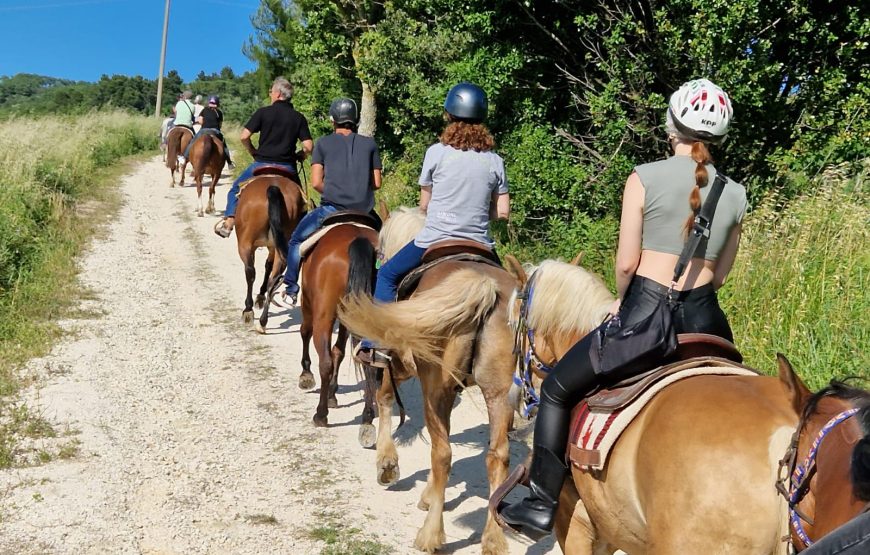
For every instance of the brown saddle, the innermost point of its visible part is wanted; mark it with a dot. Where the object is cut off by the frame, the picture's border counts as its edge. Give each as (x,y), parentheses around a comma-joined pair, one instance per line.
(353,217)
(276,170)
(444,251)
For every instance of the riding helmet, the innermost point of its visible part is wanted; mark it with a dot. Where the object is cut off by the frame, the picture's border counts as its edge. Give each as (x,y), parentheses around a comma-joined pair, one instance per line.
(700,110)
(343,110)
(466,101)
(214,99)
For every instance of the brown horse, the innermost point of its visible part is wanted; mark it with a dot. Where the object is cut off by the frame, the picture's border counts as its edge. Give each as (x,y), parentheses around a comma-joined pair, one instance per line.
(207,156)
(695,471)
(176,142)
(448,340)
(269,208)
(342,262)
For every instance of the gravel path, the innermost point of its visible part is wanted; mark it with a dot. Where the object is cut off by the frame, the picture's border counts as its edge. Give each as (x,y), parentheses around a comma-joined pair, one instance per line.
(194,437)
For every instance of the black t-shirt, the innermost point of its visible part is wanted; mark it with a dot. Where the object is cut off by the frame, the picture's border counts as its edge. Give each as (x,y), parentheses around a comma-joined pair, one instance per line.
(280,126)
(348,161)
(212,118)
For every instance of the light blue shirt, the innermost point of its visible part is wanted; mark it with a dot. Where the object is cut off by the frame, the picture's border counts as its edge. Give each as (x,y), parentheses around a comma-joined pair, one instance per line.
(463,182)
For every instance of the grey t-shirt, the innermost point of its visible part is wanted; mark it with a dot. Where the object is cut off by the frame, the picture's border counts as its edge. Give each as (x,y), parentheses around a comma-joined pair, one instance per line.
(667,185)
(348,162)
(462,182)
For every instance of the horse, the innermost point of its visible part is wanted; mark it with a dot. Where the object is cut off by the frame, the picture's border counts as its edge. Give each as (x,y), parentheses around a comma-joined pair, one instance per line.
(696,470)
(341,262)
(448,341)
(206,155)
(270,206)
(176,142)
(165,127)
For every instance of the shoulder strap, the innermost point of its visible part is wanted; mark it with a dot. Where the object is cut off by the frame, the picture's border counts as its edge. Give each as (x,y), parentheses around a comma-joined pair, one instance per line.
(701,227)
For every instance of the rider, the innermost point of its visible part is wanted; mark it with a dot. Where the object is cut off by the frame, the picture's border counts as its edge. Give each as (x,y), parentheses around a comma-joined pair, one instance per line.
(184,111)
(210,120)
(280,127)
(346,171)
(652,233)
(462,186)
(197,110)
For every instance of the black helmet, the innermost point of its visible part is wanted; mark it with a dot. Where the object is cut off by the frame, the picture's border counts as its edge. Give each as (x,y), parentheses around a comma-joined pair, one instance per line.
(343,110)
(466,101)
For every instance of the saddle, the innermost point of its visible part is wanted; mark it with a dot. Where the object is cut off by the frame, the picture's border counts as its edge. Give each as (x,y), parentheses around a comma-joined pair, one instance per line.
(444,251)
(276,170)
(353,217)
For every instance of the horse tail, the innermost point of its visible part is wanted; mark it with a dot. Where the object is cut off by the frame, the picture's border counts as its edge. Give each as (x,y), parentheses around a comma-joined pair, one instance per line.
(277,215)
(361,270)
(173,143)
(422,323)
(204,155)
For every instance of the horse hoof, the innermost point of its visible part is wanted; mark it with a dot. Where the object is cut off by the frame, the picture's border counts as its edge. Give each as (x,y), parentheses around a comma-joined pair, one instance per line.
(306,381)
(422,505)
(388,473)
(259,327)
(320,421)
(248,316)
(200,214)
(261,300)
(332,403)
(368,436)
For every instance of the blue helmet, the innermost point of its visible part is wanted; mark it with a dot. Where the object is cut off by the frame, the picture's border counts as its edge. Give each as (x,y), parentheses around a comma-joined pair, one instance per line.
(214,99)
(466,101)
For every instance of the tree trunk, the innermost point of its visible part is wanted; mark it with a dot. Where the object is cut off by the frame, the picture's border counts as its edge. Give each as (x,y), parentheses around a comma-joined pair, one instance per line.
(368,112)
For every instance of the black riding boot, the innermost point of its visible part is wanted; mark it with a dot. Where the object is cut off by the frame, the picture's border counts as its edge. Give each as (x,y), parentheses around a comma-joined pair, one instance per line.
(533,516)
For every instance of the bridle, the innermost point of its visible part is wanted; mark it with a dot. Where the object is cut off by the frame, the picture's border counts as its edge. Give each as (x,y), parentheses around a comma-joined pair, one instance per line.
(800,475)
(528,362)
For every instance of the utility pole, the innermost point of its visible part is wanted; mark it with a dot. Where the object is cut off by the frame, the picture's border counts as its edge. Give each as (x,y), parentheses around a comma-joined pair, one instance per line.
(162,60)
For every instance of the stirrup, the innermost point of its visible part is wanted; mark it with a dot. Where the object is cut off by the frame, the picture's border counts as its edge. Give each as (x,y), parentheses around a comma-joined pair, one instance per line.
(371,356)
(519,474)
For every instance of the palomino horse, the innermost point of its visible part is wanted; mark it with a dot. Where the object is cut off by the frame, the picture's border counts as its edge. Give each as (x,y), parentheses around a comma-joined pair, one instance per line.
(176,142)
(207,156)
(695,471)
(448,340)
(270,206)
(341,262)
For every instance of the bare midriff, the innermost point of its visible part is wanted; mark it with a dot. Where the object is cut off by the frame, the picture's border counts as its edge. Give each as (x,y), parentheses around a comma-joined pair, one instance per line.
(659,266)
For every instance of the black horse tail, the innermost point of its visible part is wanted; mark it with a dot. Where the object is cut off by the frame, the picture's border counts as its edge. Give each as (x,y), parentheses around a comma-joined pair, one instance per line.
(361,272)
(861,459)
(277,217)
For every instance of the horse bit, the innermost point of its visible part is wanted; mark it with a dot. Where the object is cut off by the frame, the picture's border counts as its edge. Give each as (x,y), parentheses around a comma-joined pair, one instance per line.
(799,476)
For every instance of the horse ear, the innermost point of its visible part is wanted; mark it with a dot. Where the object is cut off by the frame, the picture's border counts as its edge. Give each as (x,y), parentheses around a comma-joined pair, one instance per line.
(513,266)
(795,388)
(383,211)
(576,260)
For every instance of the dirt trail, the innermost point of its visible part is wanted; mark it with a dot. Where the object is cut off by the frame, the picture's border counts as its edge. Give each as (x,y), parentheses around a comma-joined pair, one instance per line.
(194,435)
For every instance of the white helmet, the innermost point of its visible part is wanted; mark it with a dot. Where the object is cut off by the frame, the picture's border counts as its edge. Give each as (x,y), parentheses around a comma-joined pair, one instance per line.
(701,111)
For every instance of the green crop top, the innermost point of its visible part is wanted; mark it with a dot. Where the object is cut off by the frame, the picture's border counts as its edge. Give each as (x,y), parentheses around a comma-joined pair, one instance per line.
(667,185)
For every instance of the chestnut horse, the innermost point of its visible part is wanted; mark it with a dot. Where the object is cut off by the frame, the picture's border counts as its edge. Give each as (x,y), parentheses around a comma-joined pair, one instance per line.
(342,261)
(270,206)
(695,472)
(448,341)
(207,156)
(176,142)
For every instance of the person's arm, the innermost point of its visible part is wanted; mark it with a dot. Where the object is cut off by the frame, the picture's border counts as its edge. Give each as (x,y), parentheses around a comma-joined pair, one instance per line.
(317,177)
(199,120)
(307,148)
(376,179)
(630,234)
(425,197)
(500,207)
(726,257)
(245,137)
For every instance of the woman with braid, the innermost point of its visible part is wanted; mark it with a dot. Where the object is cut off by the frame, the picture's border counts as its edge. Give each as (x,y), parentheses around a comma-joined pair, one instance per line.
(659,204)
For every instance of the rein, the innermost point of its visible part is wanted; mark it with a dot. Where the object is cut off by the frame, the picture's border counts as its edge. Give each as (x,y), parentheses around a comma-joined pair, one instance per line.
(527,360)
(799,475)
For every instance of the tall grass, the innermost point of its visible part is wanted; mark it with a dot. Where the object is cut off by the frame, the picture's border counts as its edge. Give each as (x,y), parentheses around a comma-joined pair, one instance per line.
(50,168)
(801,281)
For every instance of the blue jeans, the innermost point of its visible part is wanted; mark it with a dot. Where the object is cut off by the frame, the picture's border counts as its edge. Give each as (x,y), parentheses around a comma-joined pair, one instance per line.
(852,537)
(247,173)
(305,229)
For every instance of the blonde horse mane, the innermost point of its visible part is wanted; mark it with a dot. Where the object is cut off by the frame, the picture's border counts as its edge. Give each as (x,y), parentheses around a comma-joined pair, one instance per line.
(565,299)
(401,227)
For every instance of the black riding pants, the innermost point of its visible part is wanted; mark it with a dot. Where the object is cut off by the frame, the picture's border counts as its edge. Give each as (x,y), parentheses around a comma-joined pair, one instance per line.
(697,311)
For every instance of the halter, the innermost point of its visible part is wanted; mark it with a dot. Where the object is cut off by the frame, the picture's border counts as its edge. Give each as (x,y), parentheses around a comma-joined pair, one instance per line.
(527,359)
(800,475)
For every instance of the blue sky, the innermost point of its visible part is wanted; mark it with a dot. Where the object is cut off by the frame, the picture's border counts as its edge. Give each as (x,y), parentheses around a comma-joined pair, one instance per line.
(83,39)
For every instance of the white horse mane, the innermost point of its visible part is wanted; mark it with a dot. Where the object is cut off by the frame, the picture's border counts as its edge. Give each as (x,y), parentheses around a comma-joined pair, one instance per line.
(404,223)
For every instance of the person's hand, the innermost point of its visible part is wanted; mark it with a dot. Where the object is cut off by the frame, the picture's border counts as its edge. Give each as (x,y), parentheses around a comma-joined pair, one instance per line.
(614,306)
(301,156)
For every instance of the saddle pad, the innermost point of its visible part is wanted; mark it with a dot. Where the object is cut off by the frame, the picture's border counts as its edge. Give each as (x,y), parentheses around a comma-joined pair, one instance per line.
(309,243)
(593,432)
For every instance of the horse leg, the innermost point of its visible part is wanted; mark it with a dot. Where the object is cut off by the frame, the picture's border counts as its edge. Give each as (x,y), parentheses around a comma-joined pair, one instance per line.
(367,433)
(270,260)
(322,340)
(337,358)
(211,191)
(495,386)
(387,460)
(306,379)
(274,283)
(573,527)
(183,169)
(198,180)
(439,394)
(246,253)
